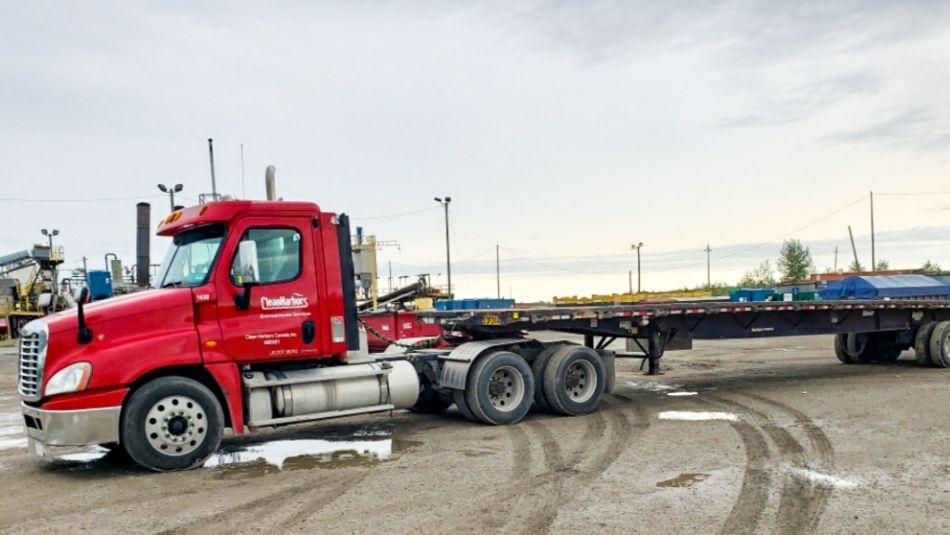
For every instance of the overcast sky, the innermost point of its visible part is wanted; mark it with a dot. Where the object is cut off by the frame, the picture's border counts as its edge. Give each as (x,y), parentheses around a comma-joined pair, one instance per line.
(564,131)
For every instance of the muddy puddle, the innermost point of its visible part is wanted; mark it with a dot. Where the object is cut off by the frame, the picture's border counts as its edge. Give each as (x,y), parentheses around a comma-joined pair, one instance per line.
(687,479)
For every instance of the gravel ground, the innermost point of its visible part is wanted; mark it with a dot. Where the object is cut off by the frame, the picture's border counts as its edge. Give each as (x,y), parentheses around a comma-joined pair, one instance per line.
(747,436)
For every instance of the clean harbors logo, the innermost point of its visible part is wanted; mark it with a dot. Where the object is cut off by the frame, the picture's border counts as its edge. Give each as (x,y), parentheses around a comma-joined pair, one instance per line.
(284,302)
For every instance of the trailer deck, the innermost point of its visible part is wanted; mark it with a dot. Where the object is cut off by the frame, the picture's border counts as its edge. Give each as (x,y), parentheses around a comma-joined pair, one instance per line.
(658,327)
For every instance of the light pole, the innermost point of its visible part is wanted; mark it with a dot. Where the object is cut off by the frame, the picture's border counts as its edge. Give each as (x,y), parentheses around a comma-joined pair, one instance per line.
(448,254)
(49,234)
(636,247)
(171,191)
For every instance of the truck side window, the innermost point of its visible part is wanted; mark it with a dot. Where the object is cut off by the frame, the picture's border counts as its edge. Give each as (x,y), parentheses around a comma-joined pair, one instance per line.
(278,254)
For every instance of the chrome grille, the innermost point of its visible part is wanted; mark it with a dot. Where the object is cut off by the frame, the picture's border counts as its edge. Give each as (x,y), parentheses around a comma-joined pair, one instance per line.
(32,353)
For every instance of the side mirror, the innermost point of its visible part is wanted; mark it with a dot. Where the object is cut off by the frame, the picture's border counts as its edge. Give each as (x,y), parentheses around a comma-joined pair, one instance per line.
(246,273)
(247,269)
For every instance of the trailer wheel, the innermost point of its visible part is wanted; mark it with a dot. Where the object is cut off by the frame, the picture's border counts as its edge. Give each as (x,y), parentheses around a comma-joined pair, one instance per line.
(538,365)
(500,388)
(574,380)
(841,348)
(922,343)
(856,347)
(940,345)
(171,423)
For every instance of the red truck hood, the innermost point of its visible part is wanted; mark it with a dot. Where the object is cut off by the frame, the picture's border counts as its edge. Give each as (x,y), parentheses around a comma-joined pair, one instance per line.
(125,307)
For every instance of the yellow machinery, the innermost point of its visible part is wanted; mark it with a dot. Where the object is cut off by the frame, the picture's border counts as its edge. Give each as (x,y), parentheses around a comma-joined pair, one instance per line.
(629,298)
(28,287)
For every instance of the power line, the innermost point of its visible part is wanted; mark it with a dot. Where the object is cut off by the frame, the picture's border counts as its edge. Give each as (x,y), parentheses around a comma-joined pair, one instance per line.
(402,214)
(98,199)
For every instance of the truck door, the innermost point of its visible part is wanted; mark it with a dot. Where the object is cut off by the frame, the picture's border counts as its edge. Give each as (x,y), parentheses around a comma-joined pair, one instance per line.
(279,321)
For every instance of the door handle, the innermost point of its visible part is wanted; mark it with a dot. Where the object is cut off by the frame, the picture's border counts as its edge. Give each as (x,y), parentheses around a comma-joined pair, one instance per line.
(309,331)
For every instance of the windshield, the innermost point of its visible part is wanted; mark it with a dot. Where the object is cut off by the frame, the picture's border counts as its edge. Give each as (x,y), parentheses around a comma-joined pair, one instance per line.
(190,256)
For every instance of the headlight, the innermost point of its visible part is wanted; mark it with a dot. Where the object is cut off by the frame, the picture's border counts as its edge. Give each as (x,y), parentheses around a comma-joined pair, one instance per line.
(72,378)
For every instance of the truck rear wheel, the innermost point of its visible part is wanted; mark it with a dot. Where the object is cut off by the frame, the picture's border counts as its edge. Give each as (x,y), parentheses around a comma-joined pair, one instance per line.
(500,388)
(940,345)
(537,369)
(922,343)
(171,423)
(574,380)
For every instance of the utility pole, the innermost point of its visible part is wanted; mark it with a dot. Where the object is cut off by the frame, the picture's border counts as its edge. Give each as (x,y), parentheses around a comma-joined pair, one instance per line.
(171,191)
(836,259)
(390,262)
(708,268)
(214,186)
(873,258)
(854,249)
(448,254)
(497,271)
(636,247)
(629,281)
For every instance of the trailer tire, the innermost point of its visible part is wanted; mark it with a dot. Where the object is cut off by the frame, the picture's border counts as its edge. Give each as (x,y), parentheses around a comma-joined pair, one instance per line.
(856,347)
(841,349)
(567,380)
(538,365)
(500,388)
(187,412)
(922,343)
(940,345)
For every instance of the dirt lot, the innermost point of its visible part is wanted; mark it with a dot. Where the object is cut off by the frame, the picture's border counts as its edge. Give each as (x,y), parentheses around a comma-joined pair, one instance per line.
(798,443)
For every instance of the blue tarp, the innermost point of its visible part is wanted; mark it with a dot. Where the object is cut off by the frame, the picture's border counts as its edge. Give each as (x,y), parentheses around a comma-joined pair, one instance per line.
(881,287)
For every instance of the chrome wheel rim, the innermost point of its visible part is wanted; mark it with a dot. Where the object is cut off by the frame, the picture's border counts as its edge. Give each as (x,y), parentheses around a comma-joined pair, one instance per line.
(580,381)
(506,389)
(176,425)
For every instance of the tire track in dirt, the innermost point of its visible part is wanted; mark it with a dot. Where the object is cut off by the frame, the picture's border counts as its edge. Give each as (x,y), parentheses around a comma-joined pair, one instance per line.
(267,506)
(801,503)
(815,497)
(753,498)
(541,496)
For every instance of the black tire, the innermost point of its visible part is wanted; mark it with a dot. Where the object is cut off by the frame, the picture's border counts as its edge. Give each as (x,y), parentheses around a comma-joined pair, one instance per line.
(431,402)
(459,397)
(922,343)
(858,348)
(940,345)
(537,369)
(500,388)
(192,416)
(841,349)
(567,385)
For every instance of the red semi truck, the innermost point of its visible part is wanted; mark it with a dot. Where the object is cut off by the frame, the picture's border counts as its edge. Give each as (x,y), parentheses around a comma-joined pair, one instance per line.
(253,323)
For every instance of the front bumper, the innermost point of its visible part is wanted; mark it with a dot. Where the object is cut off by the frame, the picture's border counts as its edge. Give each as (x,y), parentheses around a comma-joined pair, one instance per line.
(69,428)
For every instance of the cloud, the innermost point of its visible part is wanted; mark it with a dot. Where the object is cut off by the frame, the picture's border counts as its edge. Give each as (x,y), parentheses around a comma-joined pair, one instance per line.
(921,127)
(797,103)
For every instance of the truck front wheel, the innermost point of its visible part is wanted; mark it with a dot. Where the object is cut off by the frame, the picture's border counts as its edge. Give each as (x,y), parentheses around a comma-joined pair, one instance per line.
(171,423)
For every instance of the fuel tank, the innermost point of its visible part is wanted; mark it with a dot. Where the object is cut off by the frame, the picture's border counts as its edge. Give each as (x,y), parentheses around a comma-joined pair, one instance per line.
(278,394)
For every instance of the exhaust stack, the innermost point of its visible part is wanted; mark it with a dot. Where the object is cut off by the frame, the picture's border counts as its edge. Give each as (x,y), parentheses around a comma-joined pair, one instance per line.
(143,213)
(270,181)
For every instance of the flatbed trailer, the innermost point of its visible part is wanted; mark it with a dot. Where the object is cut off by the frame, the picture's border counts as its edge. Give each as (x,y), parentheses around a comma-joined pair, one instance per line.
(868,329)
